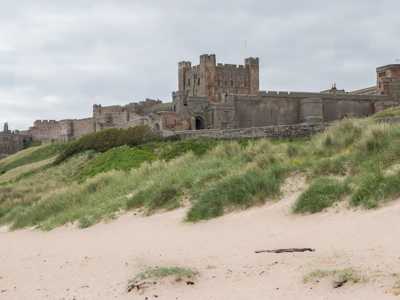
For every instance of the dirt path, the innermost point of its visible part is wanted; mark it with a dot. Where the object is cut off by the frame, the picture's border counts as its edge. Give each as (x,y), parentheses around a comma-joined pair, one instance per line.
(97,263)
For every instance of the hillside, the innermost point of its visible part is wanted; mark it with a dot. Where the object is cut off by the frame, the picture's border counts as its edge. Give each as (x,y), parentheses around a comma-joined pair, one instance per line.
(102,175)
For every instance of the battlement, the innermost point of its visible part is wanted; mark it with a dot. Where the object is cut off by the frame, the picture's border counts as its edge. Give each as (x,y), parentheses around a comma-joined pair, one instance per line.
(252,61)
(212,80)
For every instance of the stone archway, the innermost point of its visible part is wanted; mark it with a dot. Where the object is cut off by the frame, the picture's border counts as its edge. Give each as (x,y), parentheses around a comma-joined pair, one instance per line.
(199,123)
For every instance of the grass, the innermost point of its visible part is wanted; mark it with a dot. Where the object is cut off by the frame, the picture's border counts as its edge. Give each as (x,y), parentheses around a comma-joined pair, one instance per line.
(29,156)
(348,275)
(96,179)
(121,158)
(107,139)
(388,113)
(237,191)
(322,193)
(152,273)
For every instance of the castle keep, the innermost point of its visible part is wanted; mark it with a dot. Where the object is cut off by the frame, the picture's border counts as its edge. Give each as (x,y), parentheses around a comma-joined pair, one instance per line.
(221,97)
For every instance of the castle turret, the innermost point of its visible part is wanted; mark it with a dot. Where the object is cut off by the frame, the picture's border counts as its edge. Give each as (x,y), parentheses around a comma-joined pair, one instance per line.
(207,79)
(253,66)
(5,129)
(183,69)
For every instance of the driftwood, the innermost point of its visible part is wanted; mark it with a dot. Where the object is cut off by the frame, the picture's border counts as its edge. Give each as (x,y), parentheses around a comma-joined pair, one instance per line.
(290,250)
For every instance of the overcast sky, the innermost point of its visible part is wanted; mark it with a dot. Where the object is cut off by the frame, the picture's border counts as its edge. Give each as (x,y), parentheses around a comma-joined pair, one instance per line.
(58,58)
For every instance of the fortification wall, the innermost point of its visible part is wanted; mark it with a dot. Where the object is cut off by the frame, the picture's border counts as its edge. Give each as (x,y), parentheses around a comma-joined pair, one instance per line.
(46,130)
(280,131)
(82,127)
(277,108)
(11,143)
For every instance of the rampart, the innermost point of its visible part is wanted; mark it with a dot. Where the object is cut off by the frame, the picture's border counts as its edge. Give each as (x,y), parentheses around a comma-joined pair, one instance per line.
(279,131)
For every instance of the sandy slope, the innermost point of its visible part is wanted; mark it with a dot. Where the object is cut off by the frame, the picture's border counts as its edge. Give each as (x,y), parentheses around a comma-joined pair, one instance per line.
(96,263)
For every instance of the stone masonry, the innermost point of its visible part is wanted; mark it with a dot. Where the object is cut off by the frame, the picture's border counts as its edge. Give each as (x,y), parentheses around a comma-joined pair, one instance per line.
(12,141)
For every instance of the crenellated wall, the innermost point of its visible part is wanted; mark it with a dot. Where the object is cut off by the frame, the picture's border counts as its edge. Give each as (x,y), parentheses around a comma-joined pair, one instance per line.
(212,80)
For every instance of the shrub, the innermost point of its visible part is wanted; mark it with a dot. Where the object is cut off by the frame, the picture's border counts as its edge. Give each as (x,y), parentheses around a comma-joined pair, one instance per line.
(321,194)
(107,139)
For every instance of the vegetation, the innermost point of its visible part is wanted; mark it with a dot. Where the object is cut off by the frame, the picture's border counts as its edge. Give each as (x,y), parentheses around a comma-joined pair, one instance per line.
(29,156)
(121,158)
(322,193)
(162,272)
(348,275)
(391,112)
(104,174)
(107,139)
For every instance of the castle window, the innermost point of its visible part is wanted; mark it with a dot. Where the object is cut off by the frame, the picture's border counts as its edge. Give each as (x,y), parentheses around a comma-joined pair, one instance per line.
(188,82)
(232,83)
(198,81)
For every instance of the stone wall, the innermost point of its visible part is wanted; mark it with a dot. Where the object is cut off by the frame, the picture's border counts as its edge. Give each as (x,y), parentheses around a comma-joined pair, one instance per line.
(277,108)
(12,142)
(277,131)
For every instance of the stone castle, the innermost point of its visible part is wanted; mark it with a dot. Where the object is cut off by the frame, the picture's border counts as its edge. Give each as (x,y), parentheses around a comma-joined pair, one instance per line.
(223,96)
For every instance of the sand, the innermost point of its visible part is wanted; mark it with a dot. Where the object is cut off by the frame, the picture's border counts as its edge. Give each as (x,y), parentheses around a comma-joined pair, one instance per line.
(97,263)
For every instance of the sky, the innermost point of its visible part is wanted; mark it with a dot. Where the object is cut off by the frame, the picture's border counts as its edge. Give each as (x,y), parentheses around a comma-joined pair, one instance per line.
(58,58)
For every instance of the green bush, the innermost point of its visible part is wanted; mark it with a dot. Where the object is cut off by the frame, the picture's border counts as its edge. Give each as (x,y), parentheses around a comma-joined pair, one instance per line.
(121,158)
(107,139)
(321,194)
(242,190)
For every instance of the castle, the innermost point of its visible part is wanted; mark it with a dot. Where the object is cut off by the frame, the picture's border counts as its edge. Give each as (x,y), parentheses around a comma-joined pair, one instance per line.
(224,96)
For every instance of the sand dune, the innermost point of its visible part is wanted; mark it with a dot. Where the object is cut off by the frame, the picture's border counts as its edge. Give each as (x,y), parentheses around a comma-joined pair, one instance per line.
(96,263)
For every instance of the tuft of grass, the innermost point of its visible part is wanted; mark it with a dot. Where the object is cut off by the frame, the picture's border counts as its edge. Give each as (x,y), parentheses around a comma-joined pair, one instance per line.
(322,193)
(178,273)
(338,137)
(373,188)
(329,166)
(237,191)
(348,275)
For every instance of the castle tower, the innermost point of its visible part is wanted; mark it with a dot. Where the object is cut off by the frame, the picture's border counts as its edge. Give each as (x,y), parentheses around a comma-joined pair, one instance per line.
(184,68)
(5,129)
(207,76)
(253,66)
(388,80)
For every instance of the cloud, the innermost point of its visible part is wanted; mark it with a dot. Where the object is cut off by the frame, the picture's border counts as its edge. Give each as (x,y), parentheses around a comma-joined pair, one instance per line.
(58,58)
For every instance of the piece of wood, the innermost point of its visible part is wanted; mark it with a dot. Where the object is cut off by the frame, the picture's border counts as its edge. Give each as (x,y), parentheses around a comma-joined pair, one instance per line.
(289,250)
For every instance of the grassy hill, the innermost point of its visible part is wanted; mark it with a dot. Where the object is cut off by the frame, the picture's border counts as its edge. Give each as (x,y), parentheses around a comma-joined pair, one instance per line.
(103,174)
